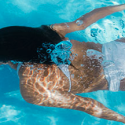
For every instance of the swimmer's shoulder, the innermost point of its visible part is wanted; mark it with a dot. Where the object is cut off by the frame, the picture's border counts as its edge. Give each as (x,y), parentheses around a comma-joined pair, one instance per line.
(85,45)
(78,46)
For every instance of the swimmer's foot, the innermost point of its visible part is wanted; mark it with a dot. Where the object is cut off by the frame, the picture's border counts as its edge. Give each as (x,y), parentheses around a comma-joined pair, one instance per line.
(111,115)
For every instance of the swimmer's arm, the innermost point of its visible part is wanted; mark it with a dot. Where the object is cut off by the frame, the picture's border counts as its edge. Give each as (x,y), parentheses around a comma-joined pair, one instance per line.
(88,19)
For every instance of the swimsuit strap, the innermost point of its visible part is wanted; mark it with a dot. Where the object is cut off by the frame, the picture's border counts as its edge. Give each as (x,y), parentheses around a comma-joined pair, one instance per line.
(65,70)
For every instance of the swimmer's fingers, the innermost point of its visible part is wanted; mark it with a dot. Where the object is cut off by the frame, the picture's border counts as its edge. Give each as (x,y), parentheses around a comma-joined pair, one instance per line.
(44,97)
(88,19)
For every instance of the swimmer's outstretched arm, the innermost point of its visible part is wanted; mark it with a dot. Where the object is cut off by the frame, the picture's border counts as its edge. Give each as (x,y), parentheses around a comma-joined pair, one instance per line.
(40,95)
(87,19)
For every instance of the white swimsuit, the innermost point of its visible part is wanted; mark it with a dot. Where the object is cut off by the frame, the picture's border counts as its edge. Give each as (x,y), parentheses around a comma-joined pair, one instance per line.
(113,63)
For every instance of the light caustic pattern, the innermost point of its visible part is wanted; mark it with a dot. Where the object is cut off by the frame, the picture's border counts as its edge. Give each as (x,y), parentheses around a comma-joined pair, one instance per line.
(16,12)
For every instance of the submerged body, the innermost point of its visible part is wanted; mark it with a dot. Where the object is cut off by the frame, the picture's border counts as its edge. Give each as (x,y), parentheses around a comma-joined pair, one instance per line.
(47,85)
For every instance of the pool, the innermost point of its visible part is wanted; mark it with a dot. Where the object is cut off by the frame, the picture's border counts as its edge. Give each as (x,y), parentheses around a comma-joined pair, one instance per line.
(13,109)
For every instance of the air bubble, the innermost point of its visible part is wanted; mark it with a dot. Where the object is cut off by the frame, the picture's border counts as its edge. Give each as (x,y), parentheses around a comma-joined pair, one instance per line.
(79,22)
(61,53)
(94,32)
(116,29)
(82,65)
(67,25)
(122,23)
(72,75)
(48,50)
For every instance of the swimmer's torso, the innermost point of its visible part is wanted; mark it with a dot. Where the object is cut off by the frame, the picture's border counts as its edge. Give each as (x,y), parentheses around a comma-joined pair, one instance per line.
(89,71)
(86,74)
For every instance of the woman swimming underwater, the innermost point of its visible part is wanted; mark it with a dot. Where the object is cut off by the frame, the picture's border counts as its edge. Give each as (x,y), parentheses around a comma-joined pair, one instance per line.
(47,79)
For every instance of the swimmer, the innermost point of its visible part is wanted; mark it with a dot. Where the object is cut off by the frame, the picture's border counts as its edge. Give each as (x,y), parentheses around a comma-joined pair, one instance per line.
(45,76)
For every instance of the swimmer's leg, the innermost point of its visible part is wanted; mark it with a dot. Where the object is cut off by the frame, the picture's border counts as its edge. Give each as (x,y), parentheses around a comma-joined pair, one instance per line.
(36,94)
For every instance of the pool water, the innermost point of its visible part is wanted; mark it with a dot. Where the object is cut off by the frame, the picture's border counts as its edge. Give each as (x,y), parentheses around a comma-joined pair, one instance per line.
(13,109)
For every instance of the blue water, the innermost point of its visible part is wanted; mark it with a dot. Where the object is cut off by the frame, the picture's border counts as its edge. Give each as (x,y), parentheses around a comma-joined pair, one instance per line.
(13,109)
